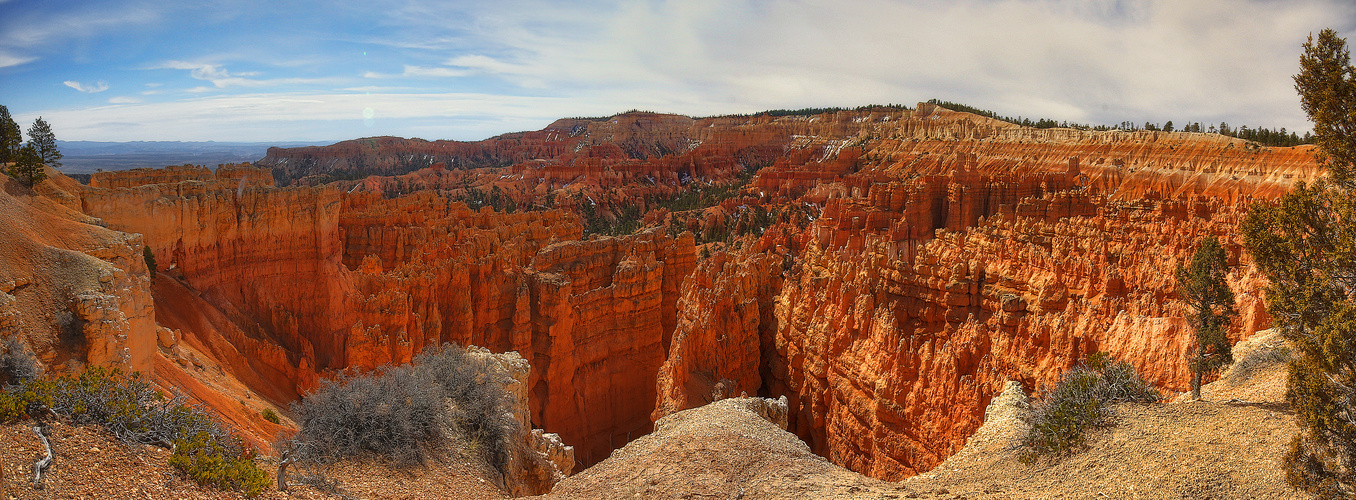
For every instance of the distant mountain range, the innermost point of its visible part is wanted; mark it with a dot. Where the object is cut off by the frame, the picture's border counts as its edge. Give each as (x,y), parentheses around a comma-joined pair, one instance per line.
(84,157)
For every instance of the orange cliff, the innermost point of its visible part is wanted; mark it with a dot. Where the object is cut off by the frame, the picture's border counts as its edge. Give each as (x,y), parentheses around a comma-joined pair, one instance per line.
(280,286)
(956,253)
(74,291)
(919,259)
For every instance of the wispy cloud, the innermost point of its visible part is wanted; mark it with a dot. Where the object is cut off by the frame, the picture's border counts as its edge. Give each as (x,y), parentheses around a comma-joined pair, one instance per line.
(427,66)
(1101,61)
(124,100)
(221,78)
(7,60)
(263,117)
(411,70)
(94,88)
(23,35)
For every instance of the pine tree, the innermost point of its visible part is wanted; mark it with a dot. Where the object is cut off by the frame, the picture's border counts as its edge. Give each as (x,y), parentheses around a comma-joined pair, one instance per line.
(27,167)
(1306,246)
(1201,283)
(42,139)
(9,137)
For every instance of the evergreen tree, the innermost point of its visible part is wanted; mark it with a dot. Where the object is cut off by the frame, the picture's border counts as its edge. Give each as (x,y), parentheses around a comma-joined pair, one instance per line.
(1201,283)
(27,167)
(9,137)
(42,139)
(1306,246)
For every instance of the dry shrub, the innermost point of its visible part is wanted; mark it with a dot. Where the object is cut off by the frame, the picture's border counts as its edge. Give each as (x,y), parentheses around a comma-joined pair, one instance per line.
(408,414)
(1080,400)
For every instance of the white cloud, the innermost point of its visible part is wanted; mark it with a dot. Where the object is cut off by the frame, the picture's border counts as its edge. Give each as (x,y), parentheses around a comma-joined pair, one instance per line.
(280,117)
(124,100)
(1099,61)
(24,33)
(420,71)
(7,60)
(221,78)
(491,65)
(444,72)
(96,87)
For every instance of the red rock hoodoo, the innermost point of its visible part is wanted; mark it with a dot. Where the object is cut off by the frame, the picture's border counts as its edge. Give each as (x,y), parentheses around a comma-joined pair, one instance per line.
(886,269)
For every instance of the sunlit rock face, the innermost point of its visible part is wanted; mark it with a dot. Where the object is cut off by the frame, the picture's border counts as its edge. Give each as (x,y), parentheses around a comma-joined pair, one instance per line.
(917,260)
(957,253)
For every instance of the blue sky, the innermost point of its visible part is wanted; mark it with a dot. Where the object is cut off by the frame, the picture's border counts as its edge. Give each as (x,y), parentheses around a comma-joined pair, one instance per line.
(226,70)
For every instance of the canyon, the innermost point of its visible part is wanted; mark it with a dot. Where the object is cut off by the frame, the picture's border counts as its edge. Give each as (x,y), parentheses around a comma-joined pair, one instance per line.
(887,270)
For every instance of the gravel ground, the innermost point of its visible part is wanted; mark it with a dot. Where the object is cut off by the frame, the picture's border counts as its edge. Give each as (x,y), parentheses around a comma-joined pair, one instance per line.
(89,463)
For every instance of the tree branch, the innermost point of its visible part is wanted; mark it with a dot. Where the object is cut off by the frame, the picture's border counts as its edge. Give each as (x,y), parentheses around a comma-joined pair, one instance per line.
(41,465)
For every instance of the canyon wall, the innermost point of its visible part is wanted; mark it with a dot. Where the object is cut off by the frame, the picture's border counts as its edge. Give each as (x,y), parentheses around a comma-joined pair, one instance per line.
(962,252)
(73,291)
(886,269)
(281,286)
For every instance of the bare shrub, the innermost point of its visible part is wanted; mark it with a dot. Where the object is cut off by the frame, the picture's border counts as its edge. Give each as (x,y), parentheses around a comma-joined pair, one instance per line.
(408,414)
(17,363)
(1118,382)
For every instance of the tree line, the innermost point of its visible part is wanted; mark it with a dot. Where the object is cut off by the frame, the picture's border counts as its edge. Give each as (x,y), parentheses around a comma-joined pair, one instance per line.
(25,160)
(1261,135)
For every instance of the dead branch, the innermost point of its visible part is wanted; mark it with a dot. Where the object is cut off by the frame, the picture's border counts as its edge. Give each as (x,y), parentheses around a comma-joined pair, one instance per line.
(41,465)
(4,488)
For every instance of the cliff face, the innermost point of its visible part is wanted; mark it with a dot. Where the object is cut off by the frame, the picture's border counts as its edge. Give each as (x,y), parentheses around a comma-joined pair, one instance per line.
(962,252)
(283,285)
(886,270)
(75,292)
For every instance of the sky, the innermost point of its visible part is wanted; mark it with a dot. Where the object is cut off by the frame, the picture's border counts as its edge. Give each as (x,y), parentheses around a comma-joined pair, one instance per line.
(289,70)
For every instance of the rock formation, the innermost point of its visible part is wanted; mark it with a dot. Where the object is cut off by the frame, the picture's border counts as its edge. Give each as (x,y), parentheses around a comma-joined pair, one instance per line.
(965,252)
(284,285)
(74,291)
(887,270)
(733,448)
(538,460)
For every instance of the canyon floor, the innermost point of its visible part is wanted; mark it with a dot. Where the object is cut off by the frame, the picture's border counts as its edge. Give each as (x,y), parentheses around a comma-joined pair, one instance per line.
(1227,445)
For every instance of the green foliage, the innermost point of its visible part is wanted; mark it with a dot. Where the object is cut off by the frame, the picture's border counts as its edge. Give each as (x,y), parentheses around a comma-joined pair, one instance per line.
(203,458)
(149,256)
(24,400)
(1263,136)
(495,198)
(133,412)
(1306,246)
(271,416)
(1025,122)
(818,111)
(43,141)
(1202,285)
(1327,85)
(19,371)
(1080,400)
(626,219)
(27,166)
(10,137)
